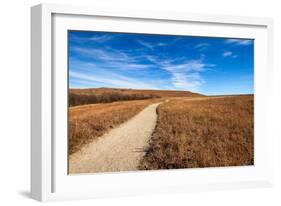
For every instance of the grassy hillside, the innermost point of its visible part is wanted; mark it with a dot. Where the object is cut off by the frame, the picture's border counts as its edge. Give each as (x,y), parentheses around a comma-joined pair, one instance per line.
(159,93)
(107,95)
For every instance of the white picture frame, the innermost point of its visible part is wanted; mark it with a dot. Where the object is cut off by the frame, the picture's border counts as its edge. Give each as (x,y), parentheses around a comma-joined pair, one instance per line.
(49,179)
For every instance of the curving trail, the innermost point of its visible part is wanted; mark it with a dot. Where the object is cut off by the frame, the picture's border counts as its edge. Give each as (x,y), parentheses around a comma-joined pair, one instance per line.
(120,149)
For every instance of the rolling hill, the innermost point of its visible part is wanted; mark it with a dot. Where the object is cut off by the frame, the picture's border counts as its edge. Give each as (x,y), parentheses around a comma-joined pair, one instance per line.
(158,93)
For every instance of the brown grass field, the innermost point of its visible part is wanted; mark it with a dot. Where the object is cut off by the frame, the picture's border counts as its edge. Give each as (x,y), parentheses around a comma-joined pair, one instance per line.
(204,132)
(108,95)
(88,122)
(192,131)
(161,93)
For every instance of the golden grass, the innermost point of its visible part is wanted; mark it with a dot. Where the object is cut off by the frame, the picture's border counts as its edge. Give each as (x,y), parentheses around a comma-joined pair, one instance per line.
(145,92)
(88,122)
(207,132)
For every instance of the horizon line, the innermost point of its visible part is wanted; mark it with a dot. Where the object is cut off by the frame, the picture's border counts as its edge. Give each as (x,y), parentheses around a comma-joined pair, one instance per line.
(230,94)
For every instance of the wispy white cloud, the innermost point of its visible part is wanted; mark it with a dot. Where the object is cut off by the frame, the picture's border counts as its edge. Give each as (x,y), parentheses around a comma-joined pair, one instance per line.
(151,58)
(162,44)
(185,75)
(96,53)
(190,81)
(229,54)
(202,46)
(152,46)
(188,66)
(110,79)
(146,44)
(101,38)
(243,42)
(114,59)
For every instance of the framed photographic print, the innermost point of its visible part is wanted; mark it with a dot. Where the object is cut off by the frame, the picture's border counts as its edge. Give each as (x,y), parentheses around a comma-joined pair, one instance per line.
(135,102)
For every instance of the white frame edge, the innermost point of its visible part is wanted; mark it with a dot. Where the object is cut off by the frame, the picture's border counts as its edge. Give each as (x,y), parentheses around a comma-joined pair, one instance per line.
(41,78)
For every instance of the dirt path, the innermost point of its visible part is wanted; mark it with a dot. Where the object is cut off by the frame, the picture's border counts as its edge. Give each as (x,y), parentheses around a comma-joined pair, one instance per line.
(120,149)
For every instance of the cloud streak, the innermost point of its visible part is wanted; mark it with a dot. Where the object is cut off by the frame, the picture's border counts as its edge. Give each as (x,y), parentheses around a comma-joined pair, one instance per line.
(187,75)
(229,54)
(184,74)
(105,77)
(239,42)
(113,59)
(101,39)
(202,46)
(146,44)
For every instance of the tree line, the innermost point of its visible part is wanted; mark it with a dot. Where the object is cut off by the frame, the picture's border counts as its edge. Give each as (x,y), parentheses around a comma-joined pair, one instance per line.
(80,99)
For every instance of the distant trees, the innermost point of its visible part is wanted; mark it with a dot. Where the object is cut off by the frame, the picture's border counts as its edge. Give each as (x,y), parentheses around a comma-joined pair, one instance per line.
(80,99)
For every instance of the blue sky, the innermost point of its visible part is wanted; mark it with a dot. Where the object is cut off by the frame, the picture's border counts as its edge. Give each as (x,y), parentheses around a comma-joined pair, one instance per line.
(143,61)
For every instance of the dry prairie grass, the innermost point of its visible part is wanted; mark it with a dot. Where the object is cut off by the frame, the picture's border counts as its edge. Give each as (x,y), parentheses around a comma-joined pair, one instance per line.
(145,92)
(207,132)
(91,121)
